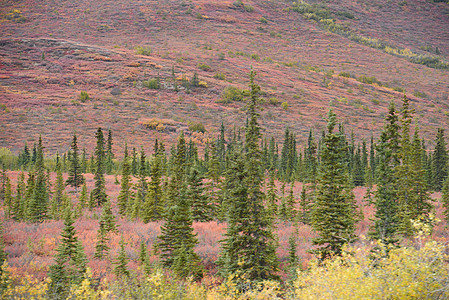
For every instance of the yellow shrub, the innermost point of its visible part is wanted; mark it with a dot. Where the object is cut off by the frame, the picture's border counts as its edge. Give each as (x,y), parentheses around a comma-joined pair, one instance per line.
(405,273)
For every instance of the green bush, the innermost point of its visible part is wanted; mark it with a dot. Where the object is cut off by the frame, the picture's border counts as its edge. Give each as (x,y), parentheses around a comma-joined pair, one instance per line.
(143,50)
(197,127)
(230,94)
(204,67)
(248,8)
(153,84)
(263,20)
(399,89)
(220,76)
(284,105)
(84,96)
(273,101)
(369,80)
(346,74)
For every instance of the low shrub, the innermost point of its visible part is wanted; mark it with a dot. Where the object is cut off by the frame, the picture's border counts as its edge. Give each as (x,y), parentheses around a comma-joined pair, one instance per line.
(197,127)
(143,50)
(204,67)
(84,96)
(231,94)
(153,84)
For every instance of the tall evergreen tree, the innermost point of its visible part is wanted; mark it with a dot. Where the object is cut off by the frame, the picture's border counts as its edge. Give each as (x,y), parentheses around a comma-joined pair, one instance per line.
(333,214)
(75,178)
(202,210)
(107,224)
(177,237)
(125,195)
(19,208)
(57,199)
(439,161)
(406,195)
(121,264)
(154,204)
(39,201)
(108,153)
(70,261)
(99,192)
(310,159)
(249,244)
(272,198)
(386,218)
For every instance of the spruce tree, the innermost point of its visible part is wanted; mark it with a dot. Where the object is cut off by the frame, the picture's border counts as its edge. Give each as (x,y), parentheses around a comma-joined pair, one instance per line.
(125,195)
(82,200)
(386,217)
(121,264)
(333,214)
(154,204)
(202,210)
(39,201)
(305,206)
(57,198)
(19,207)
(107,224)
(75,178)
(177,239)
(27,201)
(291,205)
(108,153)
(358,171)
(293,261)
(249,244)
(439,161)
(99,192)
(445,199)
(142,187)
(310,159)
(421,202)
(70,261)
(272,198)
(404,172)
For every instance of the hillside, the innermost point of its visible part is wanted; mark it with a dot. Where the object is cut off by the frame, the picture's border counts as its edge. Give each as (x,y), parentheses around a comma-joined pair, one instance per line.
(51,51)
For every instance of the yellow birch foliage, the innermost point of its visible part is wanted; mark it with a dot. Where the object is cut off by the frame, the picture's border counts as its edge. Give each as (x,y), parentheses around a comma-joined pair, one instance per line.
(405,273)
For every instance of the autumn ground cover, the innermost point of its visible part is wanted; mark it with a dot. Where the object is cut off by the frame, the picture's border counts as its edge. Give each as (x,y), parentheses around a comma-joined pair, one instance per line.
(64,48)
(31,247)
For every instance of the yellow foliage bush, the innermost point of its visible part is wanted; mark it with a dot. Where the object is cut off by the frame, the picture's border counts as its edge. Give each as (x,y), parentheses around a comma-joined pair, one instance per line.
(405,273)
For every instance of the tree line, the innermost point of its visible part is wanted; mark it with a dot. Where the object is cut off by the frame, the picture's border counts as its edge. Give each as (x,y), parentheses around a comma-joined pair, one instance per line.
(235,182)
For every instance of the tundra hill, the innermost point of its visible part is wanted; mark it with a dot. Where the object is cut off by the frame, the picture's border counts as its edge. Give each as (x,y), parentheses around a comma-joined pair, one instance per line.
(353,56)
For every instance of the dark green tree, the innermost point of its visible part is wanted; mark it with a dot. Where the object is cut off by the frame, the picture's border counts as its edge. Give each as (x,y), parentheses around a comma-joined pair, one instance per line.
(177,239)
(107,224)
(39,201)
(154,204)
(249,245)
(334,210)
(70,261)
(201,208)
(108,153)
(125,194)
(58,195)
(121,264)
(386,217)
(76,178)
(439,161)
(19,208)
(99,192)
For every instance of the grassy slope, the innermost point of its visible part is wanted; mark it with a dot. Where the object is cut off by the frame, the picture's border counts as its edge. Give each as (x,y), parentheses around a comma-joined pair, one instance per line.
(91,48)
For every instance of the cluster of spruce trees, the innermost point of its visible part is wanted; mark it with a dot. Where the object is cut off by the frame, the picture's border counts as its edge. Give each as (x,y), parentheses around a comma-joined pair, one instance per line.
(234,182)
